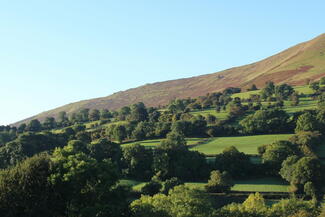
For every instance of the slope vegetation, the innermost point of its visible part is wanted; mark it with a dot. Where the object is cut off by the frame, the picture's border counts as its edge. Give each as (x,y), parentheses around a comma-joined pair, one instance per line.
(293,66)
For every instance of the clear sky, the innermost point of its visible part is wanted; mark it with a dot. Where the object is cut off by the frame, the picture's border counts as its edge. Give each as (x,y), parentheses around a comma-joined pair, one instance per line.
(57,52)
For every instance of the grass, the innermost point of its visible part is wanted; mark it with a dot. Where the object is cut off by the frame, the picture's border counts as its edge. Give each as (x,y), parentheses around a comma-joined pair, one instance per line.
(135,185)
(246,144)
(261,185)
(155,142)
(300,89)
(222,115)
(246,95)
(304,104)
(254,185)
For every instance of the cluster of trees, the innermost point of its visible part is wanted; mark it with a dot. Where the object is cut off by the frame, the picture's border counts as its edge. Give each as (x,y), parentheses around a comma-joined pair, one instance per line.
(296,160)
(185,202)
(280,92)
(63,120)
(267,121)
(67,183)
(76,172)
(170,159)
(7,134)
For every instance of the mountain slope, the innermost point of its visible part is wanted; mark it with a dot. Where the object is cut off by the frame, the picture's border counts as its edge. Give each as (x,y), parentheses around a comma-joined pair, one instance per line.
(292,66)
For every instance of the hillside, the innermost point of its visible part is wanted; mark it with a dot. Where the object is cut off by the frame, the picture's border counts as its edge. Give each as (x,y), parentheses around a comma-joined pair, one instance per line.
(292,66)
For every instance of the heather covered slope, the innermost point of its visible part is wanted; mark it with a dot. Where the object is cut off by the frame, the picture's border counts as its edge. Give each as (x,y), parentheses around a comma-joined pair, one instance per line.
(292,66)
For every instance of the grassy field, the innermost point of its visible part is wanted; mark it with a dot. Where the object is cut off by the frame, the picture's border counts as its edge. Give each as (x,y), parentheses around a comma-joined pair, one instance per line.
(155,142)
(135,185)
(300,89)
(255,185)
(222,115)
(246,95)
(246,144)
(261,185)
(304,104)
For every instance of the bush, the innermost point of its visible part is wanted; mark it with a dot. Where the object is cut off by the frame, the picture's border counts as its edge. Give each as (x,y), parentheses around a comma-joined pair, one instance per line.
(151,188)
(219,182)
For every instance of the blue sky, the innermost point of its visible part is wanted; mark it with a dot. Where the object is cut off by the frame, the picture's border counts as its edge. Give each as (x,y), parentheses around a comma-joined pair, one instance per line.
(57,52)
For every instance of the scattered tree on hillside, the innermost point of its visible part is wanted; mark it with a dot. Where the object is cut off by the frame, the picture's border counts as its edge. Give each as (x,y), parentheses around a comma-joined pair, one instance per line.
(219,182)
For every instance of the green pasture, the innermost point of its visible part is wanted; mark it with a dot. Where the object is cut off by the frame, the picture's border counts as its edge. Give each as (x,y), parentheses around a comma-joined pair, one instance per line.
(254,185)
(300,89)
(246,95)
(222,115)
(155,142)
(261,185)
(304,104)
(246,144)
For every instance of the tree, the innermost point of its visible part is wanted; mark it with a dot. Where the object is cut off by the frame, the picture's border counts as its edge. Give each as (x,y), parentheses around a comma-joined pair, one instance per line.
(151,188)
(294,99)
(277,152)
(314,86)
(219,182)
(105,114)
(137,161)
(119,133)
(252,88)
(283,91)
(211,119)
(294,207)
(301,171)
(173,159)
(170,184)
(123,113)
(176,106)
(83,115)
(62,118)
(27,145)
(34,126)
(236,163)
(138,112)
(87,187)
(321,101)
(94,115)
(310,190)
(255,203)
(306,122)
(49,123)
(322,81)
(174,140)
(180,202)
(105,149)
(235,108)
(268,90)
(266,121)
(306,141)
(144,130)
(25,190)
(22,128)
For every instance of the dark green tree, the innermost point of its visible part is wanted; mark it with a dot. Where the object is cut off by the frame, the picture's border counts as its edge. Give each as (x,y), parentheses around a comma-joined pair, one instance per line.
(34,126)
(138,112)
(94,115)
(25,190)
(307,122)
(119,133)
(137,161)
(49,123)
(219,182)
